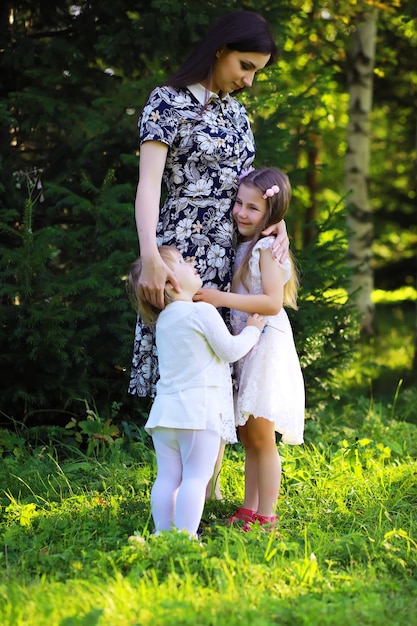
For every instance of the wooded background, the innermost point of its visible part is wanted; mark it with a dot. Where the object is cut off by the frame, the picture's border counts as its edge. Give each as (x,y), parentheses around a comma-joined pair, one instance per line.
(337,112)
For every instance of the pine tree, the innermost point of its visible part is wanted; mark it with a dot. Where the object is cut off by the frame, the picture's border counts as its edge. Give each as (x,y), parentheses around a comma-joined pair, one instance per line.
(66,320)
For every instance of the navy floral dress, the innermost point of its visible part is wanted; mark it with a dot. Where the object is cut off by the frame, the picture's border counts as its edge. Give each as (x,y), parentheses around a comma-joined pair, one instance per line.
(208,146)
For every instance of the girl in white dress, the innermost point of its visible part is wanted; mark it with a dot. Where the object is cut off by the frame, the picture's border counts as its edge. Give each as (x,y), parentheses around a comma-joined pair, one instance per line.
(193,408)
(270,388)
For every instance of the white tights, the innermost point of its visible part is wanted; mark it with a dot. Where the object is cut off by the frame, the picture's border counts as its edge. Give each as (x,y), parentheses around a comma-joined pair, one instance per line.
(185,460)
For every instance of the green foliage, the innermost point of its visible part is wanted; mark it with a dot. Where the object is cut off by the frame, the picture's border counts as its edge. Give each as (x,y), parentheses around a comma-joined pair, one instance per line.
(346,551)
(382,367)
(99,434)
(393,172)
(66,320)
(325,326)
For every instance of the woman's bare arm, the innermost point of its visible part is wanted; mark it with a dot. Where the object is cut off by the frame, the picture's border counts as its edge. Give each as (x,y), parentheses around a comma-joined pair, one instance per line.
(281,244)
(155,272)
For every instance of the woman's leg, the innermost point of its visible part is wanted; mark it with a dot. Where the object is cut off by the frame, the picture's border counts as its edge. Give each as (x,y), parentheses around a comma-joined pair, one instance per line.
(263,465)
(199,449)
(168,478)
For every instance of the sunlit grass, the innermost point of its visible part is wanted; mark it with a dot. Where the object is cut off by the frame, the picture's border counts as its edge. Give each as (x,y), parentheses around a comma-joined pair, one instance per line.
(403,294)
(380,363)
(346,552)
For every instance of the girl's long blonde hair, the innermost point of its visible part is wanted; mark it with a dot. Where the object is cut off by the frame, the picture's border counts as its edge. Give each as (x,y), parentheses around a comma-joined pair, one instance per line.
(277,205)
(147,311)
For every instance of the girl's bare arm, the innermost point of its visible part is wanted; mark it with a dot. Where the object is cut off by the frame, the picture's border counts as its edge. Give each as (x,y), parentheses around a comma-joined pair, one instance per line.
(268,303)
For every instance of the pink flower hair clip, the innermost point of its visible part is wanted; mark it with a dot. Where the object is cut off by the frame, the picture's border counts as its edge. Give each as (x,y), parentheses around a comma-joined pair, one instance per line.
(244,173)
(271,192)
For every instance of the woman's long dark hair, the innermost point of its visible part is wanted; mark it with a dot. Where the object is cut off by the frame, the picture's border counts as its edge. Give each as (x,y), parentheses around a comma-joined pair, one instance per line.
(244,31)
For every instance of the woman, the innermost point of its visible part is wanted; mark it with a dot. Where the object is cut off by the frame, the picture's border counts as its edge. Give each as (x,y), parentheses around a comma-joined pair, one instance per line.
(197,139)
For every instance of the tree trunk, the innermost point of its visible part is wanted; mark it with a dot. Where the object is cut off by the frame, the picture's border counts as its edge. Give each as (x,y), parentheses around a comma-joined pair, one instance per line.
(360,223)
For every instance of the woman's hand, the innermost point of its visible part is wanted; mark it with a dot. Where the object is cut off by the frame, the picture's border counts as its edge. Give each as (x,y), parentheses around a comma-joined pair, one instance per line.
(281,245)
(212,296)
(153,278)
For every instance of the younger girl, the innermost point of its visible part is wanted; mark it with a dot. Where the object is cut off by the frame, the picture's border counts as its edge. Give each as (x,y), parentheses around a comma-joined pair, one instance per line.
(193,407)
(270,394)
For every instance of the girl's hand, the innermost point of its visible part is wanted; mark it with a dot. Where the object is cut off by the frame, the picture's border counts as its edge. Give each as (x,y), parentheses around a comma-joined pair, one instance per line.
(281,244)
(153,278)
(256,320)
(212,296)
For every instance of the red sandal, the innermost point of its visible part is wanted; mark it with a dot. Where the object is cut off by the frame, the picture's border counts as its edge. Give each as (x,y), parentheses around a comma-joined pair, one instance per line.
(268,523)
(242,515)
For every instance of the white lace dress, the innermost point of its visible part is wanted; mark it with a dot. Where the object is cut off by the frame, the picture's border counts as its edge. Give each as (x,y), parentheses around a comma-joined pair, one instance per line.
(269,379)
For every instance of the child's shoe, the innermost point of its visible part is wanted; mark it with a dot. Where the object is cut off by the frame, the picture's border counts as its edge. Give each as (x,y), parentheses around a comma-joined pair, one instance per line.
(241,515)
(268,523)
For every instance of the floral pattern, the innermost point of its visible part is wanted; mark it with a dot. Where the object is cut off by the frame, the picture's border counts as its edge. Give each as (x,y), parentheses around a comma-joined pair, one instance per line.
(208,146)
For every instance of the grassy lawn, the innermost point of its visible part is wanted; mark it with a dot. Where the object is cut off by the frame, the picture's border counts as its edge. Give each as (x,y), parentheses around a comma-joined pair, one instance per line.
(346,552)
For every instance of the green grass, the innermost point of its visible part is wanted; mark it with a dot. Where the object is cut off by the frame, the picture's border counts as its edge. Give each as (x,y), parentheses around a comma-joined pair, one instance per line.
(346,552)
(382,369)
